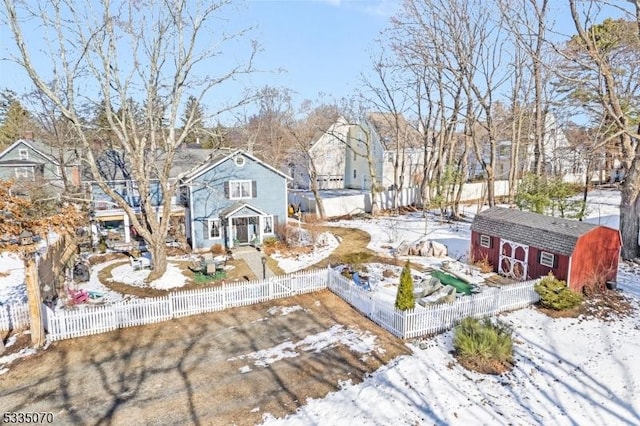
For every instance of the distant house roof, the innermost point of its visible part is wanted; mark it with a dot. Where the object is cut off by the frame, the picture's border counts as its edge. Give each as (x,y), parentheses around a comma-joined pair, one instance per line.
(548,233)
(47,151)
(385,126)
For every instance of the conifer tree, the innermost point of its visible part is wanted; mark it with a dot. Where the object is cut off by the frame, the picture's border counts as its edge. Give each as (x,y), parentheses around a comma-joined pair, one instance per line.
(404,298)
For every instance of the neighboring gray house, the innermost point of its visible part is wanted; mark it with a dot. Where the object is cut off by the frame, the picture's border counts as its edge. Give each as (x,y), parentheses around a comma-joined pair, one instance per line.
(27,161)
(233,199)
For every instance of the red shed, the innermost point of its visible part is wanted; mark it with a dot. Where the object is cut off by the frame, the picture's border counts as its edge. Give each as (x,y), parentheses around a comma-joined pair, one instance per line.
(528,245)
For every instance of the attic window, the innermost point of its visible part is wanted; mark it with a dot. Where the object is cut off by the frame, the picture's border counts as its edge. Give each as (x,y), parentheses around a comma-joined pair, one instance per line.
(547,259)
(239,160)
(485,241)
(23,154)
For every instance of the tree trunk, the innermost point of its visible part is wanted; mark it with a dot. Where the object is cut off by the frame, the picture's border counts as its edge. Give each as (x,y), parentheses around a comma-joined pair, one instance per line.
(159,253)
(34,300)
(491,190)
(629,213)
(318,198)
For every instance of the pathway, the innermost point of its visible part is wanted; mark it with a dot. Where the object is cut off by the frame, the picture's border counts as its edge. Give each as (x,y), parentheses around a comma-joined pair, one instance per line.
(252,257)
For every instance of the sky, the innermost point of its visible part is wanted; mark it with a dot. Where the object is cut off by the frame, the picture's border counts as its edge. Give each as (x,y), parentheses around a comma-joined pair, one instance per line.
(310,47)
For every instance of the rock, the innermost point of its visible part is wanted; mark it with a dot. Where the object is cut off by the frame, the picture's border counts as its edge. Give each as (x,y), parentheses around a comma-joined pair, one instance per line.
(403,249)
(437,249)
(430,286)
(447,294)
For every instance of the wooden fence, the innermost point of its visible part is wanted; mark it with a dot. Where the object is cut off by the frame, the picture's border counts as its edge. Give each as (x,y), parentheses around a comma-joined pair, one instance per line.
(85,320)
(14,317)
(432,319)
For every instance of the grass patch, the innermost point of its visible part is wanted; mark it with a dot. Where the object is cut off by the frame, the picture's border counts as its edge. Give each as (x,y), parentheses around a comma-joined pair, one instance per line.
(484,346)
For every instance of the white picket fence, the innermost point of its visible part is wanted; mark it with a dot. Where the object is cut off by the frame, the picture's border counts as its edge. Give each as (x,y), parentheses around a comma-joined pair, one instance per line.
(14,317)
(85,320)
(433,319)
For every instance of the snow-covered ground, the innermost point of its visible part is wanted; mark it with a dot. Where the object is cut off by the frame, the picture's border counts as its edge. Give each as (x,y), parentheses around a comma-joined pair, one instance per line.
(568,371)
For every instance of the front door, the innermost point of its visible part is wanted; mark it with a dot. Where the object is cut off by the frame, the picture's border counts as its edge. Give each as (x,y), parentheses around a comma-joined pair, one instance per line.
(241,226)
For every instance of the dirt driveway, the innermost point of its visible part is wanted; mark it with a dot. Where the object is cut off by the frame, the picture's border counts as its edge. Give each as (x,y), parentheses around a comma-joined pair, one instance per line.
(213,369)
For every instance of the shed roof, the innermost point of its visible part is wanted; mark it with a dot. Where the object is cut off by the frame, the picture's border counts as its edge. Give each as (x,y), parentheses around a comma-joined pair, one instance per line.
(553,234)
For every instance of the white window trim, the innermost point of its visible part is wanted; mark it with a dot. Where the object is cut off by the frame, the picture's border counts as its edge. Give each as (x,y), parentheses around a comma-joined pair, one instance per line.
(485,241)
(22,172)
(239,161)
(23,154)
(240,182)
(210,223)
(264,221)
(547,259)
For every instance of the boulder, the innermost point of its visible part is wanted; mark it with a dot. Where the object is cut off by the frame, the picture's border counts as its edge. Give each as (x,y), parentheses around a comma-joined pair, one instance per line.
(403,249)
(430,285)
(437,249)
(446,294)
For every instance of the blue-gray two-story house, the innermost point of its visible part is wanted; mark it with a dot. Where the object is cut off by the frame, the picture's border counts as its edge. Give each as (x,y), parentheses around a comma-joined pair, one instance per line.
(233,199)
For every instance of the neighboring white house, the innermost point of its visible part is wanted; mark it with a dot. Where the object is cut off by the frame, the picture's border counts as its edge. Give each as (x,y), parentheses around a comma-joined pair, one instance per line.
(560,158)
(341,155)
(329,155)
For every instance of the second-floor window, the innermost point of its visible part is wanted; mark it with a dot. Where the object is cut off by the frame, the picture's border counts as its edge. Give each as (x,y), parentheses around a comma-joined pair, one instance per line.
(23,154)
(239,189)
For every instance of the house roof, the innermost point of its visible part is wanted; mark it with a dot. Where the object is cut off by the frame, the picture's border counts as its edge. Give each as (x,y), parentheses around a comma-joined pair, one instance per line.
(236,207)
(217,157)
(385,126)
(45,150)
(548,233)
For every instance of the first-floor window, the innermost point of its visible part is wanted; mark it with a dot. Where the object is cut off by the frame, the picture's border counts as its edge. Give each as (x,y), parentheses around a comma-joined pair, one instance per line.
(546,259)
(22,172)
(214,228)
(268,225)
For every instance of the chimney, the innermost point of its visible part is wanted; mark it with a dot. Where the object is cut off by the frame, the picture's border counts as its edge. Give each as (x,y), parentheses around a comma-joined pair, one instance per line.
(28,135)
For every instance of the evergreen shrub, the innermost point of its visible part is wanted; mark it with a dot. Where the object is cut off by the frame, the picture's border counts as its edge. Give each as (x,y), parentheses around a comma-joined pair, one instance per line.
(554,294)
(404,297)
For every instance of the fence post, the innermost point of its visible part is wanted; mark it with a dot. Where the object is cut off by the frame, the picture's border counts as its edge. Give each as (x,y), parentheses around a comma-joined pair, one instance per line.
(224,295)
(171,305)
(329,277)
(270,284)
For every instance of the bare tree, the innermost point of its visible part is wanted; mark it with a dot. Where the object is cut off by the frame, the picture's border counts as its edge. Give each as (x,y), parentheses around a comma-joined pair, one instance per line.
(316,120)
(421,38)
(269,126)
(599,60)
(389,96)
(155,53)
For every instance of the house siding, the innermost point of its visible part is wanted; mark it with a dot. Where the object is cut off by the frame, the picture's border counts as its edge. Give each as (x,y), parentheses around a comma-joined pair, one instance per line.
(209,198)
(560,270)
(50,171)
(596,257)
(479,253)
